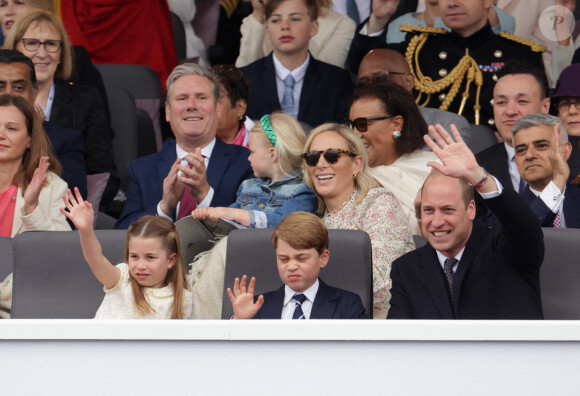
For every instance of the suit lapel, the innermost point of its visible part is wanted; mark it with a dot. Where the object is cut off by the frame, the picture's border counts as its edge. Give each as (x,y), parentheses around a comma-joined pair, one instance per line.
(309,86)
(218,164)
(324,303)
(272,308)
(477,234)
(270,90)
(572,206)
(433,280)
(65,97)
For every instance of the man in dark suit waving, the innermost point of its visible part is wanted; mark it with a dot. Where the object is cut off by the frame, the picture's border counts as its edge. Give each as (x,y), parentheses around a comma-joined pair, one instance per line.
(195,169)
(468,271)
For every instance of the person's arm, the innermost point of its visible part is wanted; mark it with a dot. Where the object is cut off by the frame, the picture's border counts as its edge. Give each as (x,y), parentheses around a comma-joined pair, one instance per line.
(243,300)
(81,213)
(384,220)
(240,215)
(46,215)
(334,49)
(252,42)
(400,306)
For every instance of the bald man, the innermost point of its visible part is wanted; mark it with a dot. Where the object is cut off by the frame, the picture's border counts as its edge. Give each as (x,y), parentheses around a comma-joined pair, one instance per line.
(393,64)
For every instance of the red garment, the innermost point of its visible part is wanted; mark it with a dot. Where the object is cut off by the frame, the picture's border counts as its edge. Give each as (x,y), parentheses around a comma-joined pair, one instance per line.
(187,204)
(123,32)
(7,208)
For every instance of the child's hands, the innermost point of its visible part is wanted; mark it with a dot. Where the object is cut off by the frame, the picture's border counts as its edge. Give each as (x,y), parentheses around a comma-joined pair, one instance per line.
(80,212)
(243,301)
(213,213)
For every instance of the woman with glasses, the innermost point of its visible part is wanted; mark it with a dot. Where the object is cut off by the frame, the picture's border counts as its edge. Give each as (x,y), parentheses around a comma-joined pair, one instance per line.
(335,168)
(566,101)
(41,37)
(391,127)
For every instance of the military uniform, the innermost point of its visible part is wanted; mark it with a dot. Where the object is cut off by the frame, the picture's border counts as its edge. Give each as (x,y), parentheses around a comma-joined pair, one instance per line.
(450,69)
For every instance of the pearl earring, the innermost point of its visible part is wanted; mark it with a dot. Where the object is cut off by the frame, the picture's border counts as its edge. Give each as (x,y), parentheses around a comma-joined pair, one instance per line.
(397,134)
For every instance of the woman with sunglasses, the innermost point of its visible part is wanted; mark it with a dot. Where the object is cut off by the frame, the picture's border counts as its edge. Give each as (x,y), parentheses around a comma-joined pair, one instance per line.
(391,127)
(41,37)
(335,168)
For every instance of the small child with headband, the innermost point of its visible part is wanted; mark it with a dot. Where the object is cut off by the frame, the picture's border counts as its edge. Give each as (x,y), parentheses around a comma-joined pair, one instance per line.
(275,144)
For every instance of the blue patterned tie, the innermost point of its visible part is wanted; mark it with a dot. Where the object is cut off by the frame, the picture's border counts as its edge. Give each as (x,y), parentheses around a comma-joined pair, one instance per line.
(448,269)
(299,299)
(288,98)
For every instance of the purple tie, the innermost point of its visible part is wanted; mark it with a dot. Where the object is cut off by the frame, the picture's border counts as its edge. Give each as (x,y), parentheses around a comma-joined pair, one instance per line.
(448,269)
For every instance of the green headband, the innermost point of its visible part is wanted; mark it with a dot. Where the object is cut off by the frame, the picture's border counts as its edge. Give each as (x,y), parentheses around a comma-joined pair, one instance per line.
(268,130)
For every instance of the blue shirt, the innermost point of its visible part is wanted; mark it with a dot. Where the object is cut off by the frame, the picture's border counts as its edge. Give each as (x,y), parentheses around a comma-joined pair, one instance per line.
(268,203)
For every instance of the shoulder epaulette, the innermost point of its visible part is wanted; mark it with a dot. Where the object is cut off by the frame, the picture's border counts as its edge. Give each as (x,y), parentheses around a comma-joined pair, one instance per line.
(520,40)
(422,29)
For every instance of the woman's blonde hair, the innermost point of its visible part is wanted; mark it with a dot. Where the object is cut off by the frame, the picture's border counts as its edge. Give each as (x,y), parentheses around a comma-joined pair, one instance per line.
(165,231)
(17,32)
(290,139)
(363,181)
(40,145)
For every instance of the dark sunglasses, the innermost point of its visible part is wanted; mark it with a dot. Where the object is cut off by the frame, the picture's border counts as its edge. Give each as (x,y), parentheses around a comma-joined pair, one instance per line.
(361,123)
(331,156)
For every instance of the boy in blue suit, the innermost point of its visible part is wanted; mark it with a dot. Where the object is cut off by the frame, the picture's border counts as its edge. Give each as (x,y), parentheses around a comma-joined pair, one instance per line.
(289,78)
(300,255)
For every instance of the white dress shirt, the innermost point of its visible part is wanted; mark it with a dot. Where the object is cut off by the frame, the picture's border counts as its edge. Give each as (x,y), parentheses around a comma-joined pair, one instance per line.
(298,74)
(290,303)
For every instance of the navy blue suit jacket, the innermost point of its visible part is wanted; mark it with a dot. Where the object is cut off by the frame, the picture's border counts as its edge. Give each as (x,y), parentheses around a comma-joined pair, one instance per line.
(325,95)
(497,277)
(228,168)
(69,147)
(329,303)
(546,216)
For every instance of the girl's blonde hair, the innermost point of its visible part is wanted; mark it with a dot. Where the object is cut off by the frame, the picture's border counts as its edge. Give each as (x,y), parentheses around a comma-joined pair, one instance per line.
(16,34)
(159,227)
(40,145)
(363,181)
(290,139)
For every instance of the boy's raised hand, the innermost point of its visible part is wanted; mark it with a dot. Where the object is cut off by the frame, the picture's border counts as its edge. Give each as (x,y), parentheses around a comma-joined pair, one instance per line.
(243,300)
(79,211)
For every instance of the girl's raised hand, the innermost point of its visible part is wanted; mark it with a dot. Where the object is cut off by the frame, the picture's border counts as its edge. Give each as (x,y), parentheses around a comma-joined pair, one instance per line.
(243,300)
(79,211)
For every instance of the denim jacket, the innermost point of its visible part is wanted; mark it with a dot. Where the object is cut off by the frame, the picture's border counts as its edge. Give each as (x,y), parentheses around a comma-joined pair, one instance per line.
(268,203)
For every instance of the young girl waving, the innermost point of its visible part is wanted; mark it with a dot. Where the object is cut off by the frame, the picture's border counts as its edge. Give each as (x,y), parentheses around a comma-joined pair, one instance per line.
(151,283)
(275,144)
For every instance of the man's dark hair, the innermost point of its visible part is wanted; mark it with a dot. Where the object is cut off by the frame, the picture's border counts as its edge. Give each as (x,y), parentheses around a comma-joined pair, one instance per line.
(522,67)
(9,56)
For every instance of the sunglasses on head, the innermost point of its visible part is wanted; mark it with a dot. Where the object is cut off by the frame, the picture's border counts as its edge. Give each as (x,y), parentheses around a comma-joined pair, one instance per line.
(331,156)
(361,123)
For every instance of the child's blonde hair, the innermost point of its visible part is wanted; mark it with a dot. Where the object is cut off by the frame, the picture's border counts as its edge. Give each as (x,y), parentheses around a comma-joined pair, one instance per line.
(159,227)
(290,139)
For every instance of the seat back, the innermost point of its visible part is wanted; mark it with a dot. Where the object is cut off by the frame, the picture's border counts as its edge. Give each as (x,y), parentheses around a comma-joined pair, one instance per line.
(124,123)
(52,280)
(143,84)
(5,257)
(560,274)
(250,252)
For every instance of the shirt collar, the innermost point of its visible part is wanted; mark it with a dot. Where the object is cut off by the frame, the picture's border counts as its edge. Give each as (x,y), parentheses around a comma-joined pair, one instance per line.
(310,293)
(511,152)
(205,150)
(298,73)
(442,258)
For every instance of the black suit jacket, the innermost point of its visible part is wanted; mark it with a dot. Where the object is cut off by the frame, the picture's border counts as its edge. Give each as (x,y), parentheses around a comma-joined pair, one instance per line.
(325,95)
(571,206)
(329,303)
(228,168)
(69,147)
(497,277)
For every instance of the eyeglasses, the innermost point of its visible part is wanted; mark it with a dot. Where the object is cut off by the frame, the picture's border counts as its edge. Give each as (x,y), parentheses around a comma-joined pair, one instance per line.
(564,105)
(51,46)
(362,122)
(331,156)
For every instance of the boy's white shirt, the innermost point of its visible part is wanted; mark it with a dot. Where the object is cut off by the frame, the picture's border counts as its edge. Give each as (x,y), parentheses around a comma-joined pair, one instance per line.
(299,73)
(289,305)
